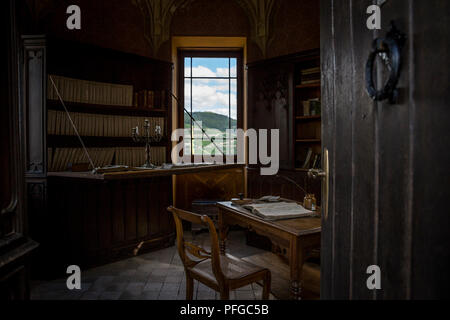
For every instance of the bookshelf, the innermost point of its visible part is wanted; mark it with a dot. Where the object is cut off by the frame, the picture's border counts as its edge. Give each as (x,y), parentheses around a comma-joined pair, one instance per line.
(307,114)
(299,131)
(107,93)
(94,222)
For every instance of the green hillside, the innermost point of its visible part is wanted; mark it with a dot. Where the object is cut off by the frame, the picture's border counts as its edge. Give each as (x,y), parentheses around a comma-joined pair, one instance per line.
(210,120)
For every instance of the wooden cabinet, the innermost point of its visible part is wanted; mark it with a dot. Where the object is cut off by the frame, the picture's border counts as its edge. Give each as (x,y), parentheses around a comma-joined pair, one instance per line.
(277,91)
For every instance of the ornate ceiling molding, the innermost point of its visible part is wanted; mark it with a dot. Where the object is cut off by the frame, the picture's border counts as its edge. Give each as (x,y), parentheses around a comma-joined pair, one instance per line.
(260,14)
(158,16)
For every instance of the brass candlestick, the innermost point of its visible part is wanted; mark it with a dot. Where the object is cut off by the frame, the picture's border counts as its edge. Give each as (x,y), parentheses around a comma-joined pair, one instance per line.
(147,138)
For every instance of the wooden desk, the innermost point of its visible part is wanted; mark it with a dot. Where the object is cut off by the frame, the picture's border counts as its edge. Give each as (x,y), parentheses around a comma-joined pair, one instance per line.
(297,237)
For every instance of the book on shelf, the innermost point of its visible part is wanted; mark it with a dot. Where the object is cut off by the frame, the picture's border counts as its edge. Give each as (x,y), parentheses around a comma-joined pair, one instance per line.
(149,99)
(90,92)
(311,81)
(314,162)
(312,107)
(307,159)
(97,125)
(310,75)
(310,70)
(318,163)
(61,159)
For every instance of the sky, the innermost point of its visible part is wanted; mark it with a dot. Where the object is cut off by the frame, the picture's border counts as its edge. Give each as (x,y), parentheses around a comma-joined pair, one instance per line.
(211,94)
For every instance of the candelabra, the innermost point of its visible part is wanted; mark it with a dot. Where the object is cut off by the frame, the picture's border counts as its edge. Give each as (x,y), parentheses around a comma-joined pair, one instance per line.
(147,138)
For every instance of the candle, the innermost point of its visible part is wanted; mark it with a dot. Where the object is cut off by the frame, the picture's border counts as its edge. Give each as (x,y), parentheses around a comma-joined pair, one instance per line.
(137,129)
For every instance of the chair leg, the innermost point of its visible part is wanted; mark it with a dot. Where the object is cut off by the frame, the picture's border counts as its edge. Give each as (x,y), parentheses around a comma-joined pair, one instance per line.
(266,288)
(189,287)
(225,293)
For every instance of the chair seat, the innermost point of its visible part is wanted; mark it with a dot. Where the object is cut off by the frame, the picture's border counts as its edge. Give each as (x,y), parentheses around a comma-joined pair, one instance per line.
(232,272)
(233,269)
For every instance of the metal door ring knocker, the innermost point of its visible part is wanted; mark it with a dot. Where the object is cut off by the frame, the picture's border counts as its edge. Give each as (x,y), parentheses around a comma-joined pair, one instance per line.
(389,50)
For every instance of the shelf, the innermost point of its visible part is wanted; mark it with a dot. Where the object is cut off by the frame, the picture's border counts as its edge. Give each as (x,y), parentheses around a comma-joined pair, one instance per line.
(308,117)
(60,141)
(105,109)
(309,85)
(308,140)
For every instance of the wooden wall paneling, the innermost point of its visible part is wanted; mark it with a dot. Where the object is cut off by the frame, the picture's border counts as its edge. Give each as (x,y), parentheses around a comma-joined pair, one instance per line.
(105,208)
(265,80)
(154,205)
(142,209)
(97,222)
(118,208)
(218,185)
(91,222)
(131,211)
(35,112)
(163,216)
(72,213)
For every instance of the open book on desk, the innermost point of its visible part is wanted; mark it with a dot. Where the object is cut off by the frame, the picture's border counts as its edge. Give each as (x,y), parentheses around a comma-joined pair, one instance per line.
(279,210)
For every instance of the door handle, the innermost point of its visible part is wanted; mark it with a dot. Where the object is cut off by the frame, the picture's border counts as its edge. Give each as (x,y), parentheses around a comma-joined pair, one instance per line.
(323,174)
(389,49)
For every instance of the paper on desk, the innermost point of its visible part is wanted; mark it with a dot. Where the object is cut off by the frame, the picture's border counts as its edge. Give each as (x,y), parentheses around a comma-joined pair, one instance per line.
(279,210)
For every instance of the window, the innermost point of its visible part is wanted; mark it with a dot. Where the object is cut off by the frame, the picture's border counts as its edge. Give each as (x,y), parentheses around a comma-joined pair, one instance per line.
(211,82)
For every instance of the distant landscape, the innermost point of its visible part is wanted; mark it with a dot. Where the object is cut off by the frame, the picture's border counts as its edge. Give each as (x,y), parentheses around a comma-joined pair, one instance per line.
(210,120)
(215,126)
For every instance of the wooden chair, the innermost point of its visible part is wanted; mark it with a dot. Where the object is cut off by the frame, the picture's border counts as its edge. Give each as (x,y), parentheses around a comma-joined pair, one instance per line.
(219,272)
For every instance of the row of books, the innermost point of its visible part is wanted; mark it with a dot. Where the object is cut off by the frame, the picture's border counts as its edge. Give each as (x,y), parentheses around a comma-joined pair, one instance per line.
(97,125)
(312,107)
(60,159)
(312,160)
(148,99)
(310,76)
(84,91)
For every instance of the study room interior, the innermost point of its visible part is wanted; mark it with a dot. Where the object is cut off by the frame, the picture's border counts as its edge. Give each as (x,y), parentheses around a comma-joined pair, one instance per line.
(220,150)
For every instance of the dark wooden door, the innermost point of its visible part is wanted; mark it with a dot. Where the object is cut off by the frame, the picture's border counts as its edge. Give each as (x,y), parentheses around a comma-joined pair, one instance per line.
(389,163)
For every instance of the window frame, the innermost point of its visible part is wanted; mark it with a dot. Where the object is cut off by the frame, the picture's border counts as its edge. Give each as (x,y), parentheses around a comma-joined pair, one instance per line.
(211,53)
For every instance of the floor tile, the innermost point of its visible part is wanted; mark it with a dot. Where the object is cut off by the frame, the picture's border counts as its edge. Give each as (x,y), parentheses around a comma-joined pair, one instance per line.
(153,286)
(150,276)
(110,295)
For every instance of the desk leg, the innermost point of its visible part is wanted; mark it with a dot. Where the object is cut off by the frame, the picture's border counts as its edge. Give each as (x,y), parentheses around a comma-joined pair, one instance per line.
(223,233)
(296,259)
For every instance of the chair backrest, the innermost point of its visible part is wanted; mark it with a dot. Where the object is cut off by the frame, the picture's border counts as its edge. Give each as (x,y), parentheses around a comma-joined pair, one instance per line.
(198,252)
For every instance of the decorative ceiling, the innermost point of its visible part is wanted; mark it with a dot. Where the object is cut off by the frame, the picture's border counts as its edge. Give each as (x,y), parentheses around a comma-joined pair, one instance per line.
(158,16)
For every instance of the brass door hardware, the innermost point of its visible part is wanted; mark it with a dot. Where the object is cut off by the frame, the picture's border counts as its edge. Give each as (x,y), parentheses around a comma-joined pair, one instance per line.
(325,175)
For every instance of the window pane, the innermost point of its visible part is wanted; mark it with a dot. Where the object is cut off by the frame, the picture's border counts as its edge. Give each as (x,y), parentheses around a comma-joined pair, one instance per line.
(210,67)
(233,67)
(213,105)
(187,67)
(233,104)
(187,94)
(210,100)
(187,137)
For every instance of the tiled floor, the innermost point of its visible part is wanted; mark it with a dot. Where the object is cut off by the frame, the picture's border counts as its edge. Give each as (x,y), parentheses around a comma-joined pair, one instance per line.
(157,275)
